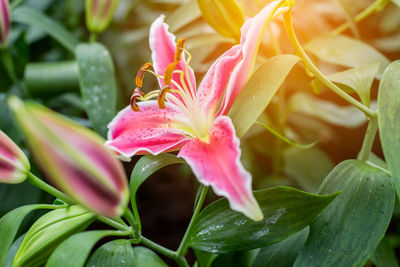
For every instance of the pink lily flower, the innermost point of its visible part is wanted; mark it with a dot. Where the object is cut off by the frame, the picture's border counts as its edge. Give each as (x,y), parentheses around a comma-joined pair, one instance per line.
(195,122)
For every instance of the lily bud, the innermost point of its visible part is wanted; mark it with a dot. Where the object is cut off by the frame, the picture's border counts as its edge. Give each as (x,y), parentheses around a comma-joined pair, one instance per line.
(4,22)
(225,16)
(14,166)
(74,159)
(99,14)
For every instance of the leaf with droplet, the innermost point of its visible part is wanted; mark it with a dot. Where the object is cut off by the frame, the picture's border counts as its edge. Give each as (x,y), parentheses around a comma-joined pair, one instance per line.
(351,227)
(218,229)
(98,84)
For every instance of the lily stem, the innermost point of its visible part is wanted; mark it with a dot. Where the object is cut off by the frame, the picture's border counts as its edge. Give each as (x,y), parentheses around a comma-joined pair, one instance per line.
(36,181)
(180,260)
(183,246)
(310,65)
(368,139)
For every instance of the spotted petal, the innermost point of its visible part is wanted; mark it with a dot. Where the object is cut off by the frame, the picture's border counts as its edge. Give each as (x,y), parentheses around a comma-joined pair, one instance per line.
(163,46)
(217,163)
(151,130)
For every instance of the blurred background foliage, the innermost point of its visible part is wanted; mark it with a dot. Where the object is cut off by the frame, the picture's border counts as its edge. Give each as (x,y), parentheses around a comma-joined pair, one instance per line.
(38,66)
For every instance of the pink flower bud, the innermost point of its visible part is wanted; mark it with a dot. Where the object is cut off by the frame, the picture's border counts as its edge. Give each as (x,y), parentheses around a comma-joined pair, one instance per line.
(14,166)
(4,22)
(74,159)
(99,14)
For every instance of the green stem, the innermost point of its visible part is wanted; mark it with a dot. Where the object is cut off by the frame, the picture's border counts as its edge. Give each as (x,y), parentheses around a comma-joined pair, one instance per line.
(182,247)
(136,213)
(180,260)
(130,218)
(368,139)
(15,3)
(361,16)
(309,64)
(36,181)
(114,224)
(93,37)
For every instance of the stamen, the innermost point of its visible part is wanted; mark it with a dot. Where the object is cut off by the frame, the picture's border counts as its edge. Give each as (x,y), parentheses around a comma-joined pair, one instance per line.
(179,50)
(168,73)
(136,94)
(140,74)
(161,96)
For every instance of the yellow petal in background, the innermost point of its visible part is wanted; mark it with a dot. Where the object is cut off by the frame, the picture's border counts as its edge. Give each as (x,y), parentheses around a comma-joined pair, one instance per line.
(225,16)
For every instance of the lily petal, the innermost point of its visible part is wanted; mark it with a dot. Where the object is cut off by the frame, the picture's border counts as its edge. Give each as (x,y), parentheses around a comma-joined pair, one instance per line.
(230,72)
(151,130)
(217,163)
(252,33)
(163,46)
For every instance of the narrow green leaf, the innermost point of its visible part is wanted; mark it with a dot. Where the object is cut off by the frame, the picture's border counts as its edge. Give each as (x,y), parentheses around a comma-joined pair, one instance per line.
(147,165)
(147,258)
(282,254)
(259,91)
(204,259)
(98,85)
(236,259)
(389,118)
(345,51)
(37,19)
(50,78)
(359,79)
(351,227)
(218,229)
(307,167)
(284,139)
(74,251)
(114,253)
(9,225)
(49,231)
(346,116)
(13,251)
(384,255)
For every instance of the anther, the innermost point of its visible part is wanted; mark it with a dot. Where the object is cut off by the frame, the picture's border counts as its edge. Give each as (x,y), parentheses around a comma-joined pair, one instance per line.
(136,94)
(168,73)
(161,96)
(140,74)
(179,50)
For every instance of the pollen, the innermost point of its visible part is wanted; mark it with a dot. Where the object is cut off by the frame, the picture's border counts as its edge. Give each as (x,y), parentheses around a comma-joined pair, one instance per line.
(140,74)
(136,94)
(161,96)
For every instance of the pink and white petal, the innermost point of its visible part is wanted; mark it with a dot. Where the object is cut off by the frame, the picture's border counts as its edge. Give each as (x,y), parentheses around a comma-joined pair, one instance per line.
(252,33)
(217,163)
(213,85)
(163,46)
(151,130)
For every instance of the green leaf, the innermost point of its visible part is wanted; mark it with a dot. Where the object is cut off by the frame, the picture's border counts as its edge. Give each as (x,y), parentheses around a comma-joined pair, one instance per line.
(50,78)
(147,258)
(146,166)
(346,116)
(49,231)
(284,139)
(236,259)
(389,118)
(282,254)
(98,85)
(204,259)
(218,229)
(259,91)
(307,167)
(384,255)
(345,51)
(9,225)
(74,251)
(359,79)
(37,19)
(13,251)
(115,253)
(350,228)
